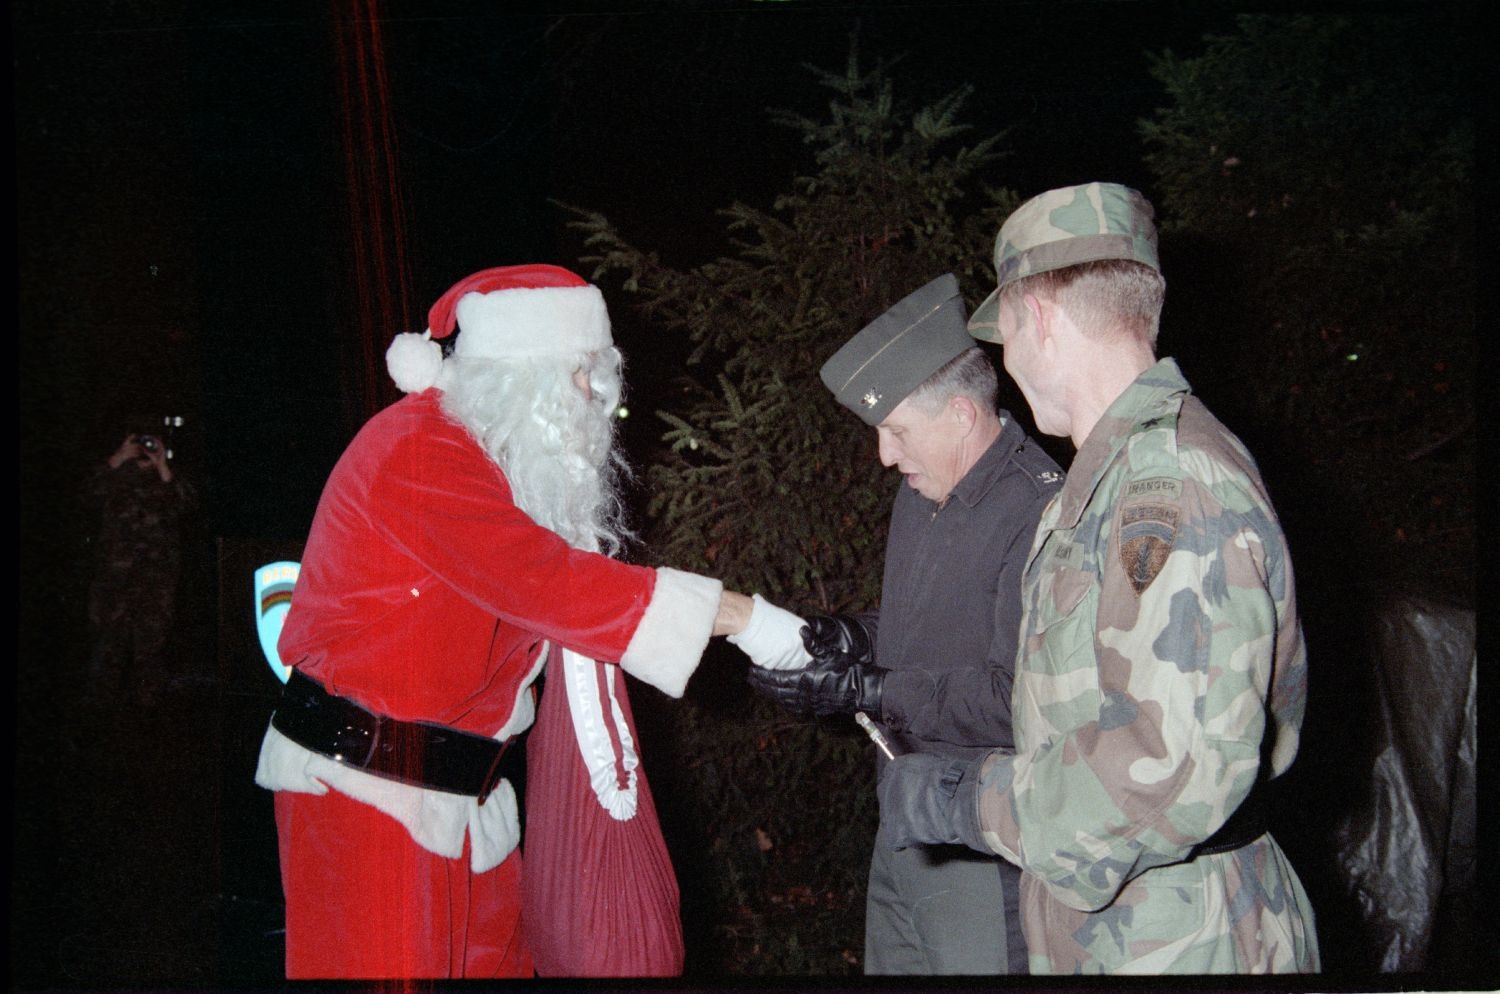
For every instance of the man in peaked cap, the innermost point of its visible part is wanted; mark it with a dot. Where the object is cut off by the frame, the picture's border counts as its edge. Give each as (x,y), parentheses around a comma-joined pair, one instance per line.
(933,665)
(1162,674)
(461,541)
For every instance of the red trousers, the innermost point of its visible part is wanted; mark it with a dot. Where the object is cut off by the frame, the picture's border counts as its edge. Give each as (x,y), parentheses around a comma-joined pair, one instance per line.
(364,901)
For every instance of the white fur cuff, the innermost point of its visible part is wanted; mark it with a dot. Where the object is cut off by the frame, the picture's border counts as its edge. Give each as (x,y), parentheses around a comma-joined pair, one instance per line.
(669,641)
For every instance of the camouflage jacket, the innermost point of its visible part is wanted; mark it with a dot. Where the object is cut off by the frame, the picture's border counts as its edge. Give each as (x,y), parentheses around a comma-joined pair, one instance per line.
(1161,674)
(140,522)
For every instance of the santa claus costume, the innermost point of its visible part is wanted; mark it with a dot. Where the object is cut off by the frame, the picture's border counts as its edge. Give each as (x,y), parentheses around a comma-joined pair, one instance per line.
(436,583)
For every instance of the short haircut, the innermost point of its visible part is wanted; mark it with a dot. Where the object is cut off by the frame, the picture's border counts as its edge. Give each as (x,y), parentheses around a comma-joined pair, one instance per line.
(968,374)
(1101,297)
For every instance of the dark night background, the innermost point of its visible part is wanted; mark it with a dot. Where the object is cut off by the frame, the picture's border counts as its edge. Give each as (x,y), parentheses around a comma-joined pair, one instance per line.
(207,227)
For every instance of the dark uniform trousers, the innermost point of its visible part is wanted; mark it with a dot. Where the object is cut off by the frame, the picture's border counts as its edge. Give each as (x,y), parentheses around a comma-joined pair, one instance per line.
(938,910)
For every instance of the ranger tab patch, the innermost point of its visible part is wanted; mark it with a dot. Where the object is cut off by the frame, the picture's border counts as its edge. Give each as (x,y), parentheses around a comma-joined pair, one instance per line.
(1148,527)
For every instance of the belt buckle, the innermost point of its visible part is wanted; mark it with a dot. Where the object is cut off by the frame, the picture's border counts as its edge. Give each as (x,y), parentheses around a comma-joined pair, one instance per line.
(355,744)
(492,777)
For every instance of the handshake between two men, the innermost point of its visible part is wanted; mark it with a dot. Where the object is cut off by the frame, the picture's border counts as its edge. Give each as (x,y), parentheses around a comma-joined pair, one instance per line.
(824,666)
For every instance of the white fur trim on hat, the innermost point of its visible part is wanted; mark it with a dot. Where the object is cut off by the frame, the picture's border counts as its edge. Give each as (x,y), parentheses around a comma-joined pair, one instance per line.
(414,361)
(532,321)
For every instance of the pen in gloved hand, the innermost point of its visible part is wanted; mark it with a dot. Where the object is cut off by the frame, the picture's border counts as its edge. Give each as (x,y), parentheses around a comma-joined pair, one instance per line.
(874,733)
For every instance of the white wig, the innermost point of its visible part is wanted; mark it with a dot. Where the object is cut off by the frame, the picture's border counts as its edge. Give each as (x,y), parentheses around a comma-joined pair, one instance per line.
(554,444)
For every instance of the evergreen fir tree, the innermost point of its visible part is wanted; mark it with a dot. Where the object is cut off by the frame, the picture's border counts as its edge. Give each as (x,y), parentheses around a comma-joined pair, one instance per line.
(1316,175)
(768,483)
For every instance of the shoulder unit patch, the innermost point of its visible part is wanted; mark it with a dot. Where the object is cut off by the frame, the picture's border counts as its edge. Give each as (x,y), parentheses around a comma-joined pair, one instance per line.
(1147,528)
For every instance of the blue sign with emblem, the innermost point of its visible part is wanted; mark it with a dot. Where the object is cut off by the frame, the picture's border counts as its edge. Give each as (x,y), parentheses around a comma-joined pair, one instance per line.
(273,597)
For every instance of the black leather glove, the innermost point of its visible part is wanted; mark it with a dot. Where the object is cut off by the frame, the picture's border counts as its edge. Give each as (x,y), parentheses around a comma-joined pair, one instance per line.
(845,634)
(831,684)
(930,800)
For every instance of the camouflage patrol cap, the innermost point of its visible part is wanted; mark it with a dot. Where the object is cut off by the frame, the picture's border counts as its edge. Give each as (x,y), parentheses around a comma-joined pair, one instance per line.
(894,354)
(1065,227)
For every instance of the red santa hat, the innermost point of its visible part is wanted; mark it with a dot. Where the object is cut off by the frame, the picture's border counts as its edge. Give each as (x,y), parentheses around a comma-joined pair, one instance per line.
(509,312)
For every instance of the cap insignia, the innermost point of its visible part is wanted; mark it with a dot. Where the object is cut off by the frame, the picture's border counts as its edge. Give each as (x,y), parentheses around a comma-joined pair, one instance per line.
(870,399)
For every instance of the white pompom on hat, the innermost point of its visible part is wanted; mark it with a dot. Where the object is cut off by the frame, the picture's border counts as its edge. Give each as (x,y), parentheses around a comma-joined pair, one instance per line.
(414,361)
(505,313)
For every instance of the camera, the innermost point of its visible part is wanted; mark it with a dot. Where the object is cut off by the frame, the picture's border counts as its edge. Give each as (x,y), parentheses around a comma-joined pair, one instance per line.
(149,442)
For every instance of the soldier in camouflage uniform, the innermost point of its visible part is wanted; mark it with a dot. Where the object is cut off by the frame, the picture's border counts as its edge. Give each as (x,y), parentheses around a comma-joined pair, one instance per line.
(141,503)
(1161,677)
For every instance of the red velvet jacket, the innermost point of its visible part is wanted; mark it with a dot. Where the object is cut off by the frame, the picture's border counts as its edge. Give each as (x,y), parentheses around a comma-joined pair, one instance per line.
(426,594)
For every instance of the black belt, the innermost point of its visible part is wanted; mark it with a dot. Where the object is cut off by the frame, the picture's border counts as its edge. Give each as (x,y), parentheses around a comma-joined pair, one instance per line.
(1247,824)
(420,753)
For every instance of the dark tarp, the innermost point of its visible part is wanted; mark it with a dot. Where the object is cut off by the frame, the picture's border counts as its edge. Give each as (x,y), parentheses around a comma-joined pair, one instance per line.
(1407,851)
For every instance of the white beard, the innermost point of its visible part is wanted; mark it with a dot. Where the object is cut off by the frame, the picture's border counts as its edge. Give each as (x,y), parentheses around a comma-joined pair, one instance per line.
(554,445)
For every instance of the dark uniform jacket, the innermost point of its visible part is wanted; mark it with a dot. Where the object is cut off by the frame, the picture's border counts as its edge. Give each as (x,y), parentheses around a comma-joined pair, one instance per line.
(951,600)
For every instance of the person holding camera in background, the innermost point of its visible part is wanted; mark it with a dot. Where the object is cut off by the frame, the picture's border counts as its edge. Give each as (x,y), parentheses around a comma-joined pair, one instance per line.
(132,601)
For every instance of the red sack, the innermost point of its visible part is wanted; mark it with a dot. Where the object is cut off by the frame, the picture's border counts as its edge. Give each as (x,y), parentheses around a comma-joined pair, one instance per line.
(600,898)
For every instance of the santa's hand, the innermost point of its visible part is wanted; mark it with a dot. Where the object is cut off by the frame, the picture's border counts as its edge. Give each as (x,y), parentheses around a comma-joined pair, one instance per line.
(773,637)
